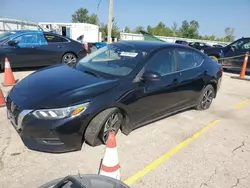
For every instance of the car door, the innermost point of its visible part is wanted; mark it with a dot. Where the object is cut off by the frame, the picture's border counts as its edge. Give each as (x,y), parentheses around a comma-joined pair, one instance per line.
(155,98)
(238,48)
(24,53)
(190,76)
(55,48)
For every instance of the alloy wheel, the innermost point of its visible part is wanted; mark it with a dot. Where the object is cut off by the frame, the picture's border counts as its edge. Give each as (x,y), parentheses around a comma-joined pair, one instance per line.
(207,99)
(112,125)
(69,58)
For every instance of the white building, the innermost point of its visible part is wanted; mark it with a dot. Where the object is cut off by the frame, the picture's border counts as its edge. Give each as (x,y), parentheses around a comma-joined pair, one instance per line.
(74,30)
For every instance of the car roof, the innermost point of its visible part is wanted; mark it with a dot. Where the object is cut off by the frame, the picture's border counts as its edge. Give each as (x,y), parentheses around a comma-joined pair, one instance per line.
(146,45)
(18,32)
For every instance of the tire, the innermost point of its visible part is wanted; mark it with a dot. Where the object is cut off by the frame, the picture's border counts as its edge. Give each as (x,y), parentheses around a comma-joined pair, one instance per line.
(206,98)
(69,58)
(95,132)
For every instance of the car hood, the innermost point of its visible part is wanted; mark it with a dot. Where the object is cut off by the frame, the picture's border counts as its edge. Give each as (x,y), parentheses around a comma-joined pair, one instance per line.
(58,86)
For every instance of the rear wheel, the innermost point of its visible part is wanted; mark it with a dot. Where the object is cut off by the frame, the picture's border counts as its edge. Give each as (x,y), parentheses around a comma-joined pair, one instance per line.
(109,120)
(206,98)
(69,58)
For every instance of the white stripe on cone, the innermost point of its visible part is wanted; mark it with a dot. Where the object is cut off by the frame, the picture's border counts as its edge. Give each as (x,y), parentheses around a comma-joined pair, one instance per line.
(115,175)
(7,64)
(246,58)
(110,157)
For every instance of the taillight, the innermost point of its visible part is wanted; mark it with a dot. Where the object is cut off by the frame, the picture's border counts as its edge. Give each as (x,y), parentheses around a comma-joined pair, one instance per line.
(85,47)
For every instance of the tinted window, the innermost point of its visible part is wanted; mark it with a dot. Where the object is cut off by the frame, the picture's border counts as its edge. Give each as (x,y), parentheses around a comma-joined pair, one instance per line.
(30,39)
(246,46)
(162,62)
(54,38)
(188,59)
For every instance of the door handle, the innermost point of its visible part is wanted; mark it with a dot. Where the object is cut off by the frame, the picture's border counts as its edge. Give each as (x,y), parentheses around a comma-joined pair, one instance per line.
(58,46)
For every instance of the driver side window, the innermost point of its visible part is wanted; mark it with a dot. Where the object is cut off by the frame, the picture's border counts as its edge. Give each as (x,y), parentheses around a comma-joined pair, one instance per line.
(27,40)
(162,62)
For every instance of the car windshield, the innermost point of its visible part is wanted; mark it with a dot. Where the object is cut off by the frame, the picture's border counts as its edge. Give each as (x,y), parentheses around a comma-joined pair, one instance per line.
(116,59)
(5,35)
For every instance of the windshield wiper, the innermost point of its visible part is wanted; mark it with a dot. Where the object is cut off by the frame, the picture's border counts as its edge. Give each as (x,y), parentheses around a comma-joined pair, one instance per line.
(92,73)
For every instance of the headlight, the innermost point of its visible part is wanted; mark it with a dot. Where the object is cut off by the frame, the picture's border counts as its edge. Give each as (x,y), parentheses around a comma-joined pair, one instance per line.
(60,113)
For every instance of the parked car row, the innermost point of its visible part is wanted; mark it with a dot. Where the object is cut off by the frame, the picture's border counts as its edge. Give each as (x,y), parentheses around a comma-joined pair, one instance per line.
(230,56)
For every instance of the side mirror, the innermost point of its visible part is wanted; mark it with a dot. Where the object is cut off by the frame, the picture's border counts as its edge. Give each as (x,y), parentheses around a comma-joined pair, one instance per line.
(151,76)
(13,42)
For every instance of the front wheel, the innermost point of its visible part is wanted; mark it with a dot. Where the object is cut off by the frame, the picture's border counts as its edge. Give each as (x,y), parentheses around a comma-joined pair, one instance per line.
(206,98)
(69,58)
(109,120)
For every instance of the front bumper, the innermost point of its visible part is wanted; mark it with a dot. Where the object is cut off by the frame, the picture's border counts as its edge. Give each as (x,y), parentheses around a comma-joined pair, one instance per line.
(53,136)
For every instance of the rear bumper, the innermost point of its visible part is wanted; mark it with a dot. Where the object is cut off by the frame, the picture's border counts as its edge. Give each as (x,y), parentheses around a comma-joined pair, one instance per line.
(81,54)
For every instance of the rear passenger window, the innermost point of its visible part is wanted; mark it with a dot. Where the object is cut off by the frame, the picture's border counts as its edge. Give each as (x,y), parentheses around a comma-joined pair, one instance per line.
(54,38)
(188,59)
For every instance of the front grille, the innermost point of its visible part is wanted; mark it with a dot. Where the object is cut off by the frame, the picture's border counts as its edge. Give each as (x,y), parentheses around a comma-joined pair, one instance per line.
(16,111)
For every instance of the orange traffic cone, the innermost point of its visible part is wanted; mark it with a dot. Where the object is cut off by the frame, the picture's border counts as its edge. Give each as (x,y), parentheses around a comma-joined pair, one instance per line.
(243,69)
(110,164)
(244,66)
(2,100)
(9,79)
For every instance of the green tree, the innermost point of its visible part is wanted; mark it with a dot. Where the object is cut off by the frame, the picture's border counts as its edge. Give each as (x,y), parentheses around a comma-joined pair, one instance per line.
(229,34)
(115,33)
(189,29)
(127,30)
(149,29)
(175,30)
(138,29)
(82,16)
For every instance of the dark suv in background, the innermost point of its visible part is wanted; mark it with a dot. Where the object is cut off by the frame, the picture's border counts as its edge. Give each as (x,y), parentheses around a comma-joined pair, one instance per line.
(199,45)
(183,42)
(237,48)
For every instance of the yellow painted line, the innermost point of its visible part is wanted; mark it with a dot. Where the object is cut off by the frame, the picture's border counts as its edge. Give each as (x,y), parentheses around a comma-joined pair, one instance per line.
(242,103)
(167,155)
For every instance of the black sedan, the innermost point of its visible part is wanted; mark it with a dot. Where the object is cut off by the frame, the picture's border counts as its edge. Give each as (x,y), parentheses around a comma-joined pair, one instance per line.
(121,86)
(26,48)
